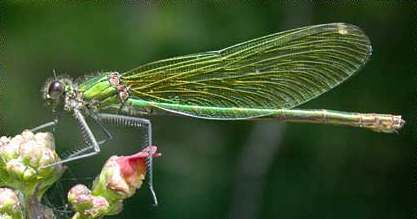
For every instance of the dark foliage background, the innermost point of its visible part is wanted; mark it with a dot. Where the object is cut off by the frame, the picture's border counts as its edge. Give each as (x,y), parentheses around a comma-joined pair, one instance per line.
(214,169)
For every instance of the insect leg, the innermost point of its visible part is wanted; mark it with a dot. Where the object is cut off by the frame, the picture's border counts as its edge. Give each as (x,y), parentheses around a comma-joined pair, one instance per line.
(88,137)
(107,134)
(52,124)
(135,123)
(104,130)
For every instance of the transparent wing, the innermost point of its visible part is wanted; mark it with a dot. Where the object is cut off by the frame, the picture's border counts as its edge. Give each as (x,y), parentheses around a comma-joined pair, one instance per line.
(277,71)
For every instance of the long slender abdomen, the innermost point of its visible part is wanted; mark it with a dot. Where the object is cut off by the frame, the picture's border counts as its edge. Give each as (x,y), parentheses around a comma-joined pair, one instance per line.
(376,122)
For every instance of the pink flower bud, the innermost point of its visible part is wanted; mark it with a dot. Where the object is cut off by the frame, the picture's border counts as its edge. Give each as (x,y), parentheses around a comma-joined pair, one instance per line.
(118,180)
(9,204)
(126,173)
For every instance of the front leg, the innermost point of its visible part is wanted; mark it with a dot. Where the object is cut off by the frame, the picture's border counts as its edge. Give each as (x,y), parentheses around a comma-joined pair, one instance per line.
(89,139)
(107,134)
(52,124)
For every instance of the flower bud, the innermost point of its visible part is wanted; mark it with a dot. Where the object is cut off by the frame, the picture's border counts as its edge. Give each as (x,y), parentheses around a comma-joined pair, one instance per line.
(22,158)
(121,176)
(118,180)
(85,204)
(9,204)
(80,198)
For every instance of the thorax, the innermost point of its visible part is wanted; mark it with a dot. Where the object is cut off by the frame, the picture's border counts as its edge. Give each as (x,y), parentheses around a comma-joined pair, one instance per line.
(97,92)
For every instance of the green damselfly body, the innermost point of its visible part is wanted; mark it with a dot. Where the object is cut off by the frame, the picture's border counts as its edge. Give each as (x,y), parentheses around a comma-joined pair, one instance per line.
(264,78)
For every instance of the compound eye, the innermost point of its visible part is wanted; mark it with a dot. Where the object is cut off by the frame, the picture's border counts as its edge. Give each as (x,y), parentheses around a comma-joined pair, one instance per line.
(56,89)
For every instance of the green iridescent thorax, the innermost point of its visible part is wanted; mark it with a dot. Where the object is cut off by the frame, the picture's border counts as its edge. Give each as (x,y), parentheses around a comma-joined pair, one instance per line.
(97,88)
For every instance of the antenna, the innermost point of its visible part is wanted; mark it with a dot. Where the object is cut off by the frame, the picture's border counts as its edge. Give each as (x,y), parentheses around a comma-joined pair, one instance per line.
(53,70)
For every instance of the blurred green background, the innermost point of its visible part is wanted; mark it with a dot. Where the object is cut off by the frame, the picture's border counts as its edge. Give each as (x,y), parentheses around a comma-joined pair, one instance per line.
(217,169)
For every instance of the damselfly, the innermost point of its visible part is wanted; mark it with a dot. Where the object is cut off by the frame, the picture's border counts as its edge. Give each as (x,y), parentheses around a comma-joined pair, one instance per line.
(259,79)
